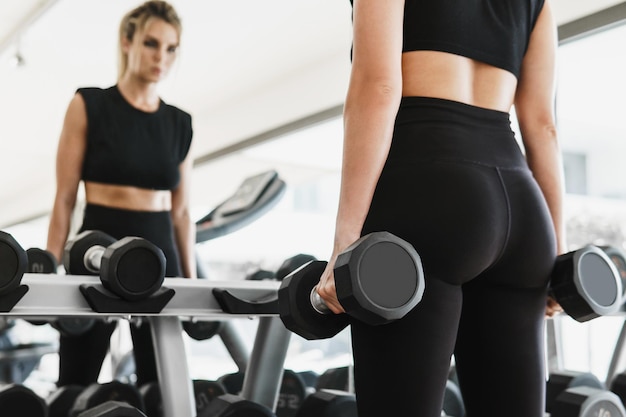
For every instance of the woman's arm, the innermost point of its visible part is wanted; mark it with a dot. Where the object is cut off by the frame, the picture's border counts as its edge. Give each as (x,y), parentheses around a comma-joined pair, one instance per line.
(69,162)
(184,228)
(371,105)
(534,105)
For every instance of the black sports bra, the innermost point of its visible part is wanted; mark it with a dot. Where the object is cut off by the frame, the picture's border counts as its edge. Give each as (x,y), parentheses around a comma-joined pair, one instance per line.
(496,32)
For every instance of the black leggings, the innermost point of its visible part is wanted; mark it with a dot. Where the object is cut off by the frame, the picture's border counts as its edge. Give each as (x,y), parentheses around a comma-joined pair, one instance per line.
(457,186)
(81,357)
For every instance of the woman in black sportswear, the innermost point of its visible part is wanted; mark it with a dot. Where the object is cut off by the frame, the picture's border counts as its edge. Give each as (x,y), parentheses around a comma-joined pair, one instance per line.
(429,155)
(131,152)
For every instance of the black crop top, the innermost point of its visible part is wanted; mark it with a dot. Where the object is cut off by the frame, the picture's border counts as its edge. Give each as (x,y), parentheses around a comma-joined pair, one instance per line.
(496,32)
(127,146)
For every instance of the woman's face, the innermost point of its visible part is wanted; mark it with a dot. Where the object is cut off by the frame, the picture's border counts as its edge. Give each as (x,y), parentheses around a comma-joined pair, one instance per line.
(152,50)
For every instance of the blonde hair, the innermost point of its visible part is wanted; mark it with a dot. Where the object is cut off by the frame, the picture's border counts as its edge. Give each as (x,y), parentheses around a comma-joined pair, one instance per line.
(136,20)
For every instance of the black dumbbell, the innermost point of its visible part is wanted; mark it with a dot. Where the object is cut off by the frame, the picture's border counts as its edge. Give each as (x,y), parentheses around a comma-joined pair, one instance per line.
(586,283)
(132,268)
(329,403)
(292,392)
(378,278)
(14,263)
(61,400)
(18,400)
(40,261)
(205,392)
(230,405)
(96,394)
(565,379)
(587,402)
(112,409)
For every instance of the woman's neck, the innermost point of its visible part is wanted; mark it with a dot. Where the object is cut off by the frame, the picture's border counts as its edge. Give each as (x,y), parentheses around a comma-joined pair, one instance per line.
(143,96)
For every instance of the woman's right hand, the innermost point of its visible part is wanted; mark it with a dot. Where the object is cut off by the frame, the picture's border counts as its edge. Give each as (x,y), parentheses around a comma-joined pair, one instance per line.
(326,287)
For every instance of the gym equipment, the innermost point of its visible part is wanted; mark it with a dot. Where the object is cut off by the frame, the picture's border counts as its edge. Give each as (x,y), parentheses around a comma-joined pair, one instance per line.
(132,268)
(61,400)
(562,380)
(14,263)
(335,379)
(112,409)
(379,279)
(580,394)
(587,402)
(291,264)
(293,391)
(618,386)
(328,403)
(58,295)
(618,257)
(17,400)
(41,261)
(96,394)
(310,379)
(586,284)
(204,392)
(229,405)
(255,196)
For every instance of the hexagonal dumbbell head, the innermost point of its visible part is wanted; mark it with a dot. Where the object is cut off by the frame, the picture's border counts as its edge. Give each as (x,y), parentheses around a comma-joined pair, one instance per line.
(14,262)
(296,310)
(379,278)
(586,284)
(587,402)
(80,253)
(133,268)
(18,400)
(41,261)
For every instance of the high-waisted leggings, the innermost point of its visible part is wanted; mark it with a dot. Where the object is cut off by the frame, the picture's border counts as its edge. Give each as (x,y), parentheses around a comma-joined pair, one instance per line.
(80,358)
(457,186)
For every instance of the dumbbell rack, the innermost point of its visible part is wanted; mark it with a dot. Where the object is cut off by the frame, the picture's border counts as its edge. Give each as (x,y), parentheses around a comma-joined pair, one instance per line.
(53,296)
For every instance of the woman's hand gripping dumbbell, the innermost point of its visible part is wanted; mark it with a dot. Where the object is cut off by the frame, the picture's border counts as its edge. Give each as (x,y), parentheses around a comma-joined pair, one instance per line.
(379,279)
(132,268)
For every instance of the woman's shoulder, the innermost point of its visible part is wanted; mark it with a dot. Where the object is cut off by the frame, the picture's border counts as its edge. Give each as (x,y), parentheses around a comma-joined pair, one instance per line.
(177,112)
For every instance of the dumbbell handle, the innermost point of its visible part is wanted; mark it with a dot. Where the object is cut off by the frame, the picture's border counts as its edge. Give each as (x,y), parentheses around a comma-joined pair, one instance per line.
(93,258)
(317,302)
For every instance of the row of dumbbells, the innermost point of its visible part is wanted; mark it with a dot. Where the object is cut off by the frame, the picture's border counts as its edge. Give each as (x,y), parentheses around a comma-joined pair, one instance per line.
(302,394)
(132,268)
(568,394)
(586,282)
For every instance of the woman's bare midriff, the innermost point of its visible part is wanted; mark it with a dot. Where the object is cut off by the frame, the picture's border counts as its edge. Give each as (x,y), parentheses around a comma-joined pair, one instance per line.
(127,197)
(453,77)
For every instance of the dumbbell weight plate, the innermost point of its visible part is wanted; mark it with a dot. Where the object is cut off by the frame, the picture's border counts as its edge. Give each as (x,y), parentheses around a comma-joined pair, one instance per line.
(14,263)
(133,268)
(96,394)
(41,261)
(17,400)
(229,405)
(618,257)
(329,403)
(587,402)
(60,401)
(586,284)
(379,278)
